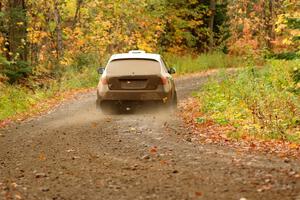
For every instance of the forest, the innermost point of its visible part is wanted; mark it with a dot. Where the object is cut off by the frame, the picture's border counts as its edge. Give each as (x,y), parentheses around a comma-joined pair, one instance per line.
(50,47)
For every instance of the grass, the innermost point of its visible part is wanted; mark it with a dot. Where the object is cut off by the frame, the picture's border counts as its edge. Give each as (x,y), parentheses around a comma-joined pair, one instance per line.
(203,62)
(17,99)
(259,102)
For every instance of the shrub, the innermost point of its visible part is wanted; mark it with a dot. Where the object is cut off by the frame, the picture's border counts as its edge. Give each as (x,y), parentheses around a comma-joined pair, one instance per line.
(14,70)
(17,70)
(189,64)
(284,56)
(258,102)
(85,60)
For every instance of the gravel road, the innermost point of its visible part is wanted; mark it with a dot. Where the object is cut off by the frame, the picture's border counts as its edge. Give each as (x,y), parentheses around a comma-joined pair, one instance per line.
(76,152)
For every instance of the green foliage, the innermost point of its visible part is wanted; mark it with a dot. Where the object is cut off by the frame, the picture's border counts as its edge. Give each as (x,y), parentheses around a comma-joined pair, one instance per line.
(186,26)
(3,61)
(296,74)
(296,78)
(84,60)
(285,56)
(87,77)
(13,21)
(13,100)
(293,23)
(189,64)
(258,102)
(16,99)
(16,70)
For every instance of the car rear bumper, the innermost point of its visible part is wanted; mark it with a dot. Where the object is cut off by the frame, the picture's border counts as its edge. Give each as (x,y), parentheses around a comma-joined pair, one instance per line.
(134,95)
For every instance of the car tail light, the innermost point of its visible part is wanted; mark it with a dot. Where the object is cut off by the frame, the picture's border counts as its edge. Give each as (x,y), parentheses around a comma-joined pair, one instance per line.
(104,81)
(164,80)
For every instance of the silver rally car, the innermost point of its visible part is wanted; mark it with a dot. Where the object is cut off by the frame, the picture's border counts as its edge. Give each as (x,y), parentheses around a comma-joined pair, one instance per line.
(134,78)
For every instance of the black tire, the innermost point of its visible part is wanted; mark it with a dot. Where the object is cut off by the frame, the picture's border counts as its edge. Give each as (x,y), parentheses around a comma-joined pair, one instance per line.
(171,106)
(107,107)
(98,105)
(174,101)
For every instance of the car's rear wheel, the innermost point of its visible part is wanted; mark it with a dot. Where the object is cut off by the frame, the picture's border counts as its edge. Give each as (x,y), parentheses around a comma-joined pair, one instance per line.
(107,107)
(172,104)
(174,101)
(98,105)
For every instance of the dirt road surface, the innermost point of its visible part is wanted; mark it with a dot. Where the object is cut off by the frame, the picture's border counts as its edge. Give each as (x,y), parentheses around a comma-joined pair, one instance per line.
(76,152)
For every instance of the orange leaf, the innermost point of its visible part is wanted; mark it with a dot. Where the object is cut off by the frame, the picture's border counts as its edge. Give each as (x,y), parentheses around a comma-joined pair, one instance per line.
(153,150)
(198,194)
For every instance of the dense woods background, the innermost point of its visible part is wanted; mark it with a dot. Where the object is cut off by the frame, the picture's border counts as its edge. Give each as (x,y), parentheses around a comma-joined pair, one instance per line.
(43,38)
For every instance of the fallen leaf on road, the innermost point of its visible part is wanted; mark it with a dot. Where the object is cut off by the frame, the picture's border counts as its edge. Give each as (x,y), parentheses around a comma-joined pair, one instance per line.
(198,194)
(14,185)
(4,123)
(40,175)
(146,157)
(153,150)
(70,150)
(132,129)
(42,157)
(252,145)
(163,162)
(264,188)
(44,189)
(75,157)
(94,124)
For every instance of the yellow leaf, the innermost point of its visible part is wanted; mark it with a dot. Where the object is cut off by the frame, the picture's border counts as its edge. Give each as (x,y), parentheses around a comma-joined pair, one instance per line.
(294,146)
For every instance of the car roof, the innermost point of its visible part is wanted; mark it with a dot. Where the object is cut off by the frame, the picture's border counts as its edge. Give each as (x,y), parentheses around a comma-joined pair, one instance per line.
(136,54)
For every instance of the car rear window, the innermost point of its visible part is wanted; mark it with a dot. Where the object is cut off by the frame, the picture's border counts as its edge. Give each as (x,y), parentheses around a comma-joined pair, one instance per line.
(133,66)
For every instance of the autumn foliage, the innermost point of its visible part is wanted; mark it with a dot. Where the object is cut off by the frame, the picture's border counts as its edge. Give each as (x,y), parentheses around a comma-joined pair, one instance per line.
(260,26)
(45,37)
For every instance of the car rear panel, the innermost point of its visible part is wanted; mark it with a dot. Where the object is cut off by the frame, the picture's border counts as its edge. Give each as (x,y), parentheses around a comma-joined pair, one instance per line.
(142,82)
(137,95)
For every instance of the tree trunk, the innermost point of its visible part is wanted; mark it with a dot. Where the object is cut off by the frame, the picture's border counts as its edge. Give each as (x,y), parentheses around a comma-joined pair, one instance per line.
(3,32)
(59,39)
(77,13)
(17,33)
(271,23)
(211,24)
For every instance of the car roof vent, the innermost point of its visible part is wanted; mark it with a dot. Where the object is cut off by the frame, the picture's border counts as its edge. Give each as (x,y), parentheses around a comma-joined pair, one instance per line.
(136,51)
